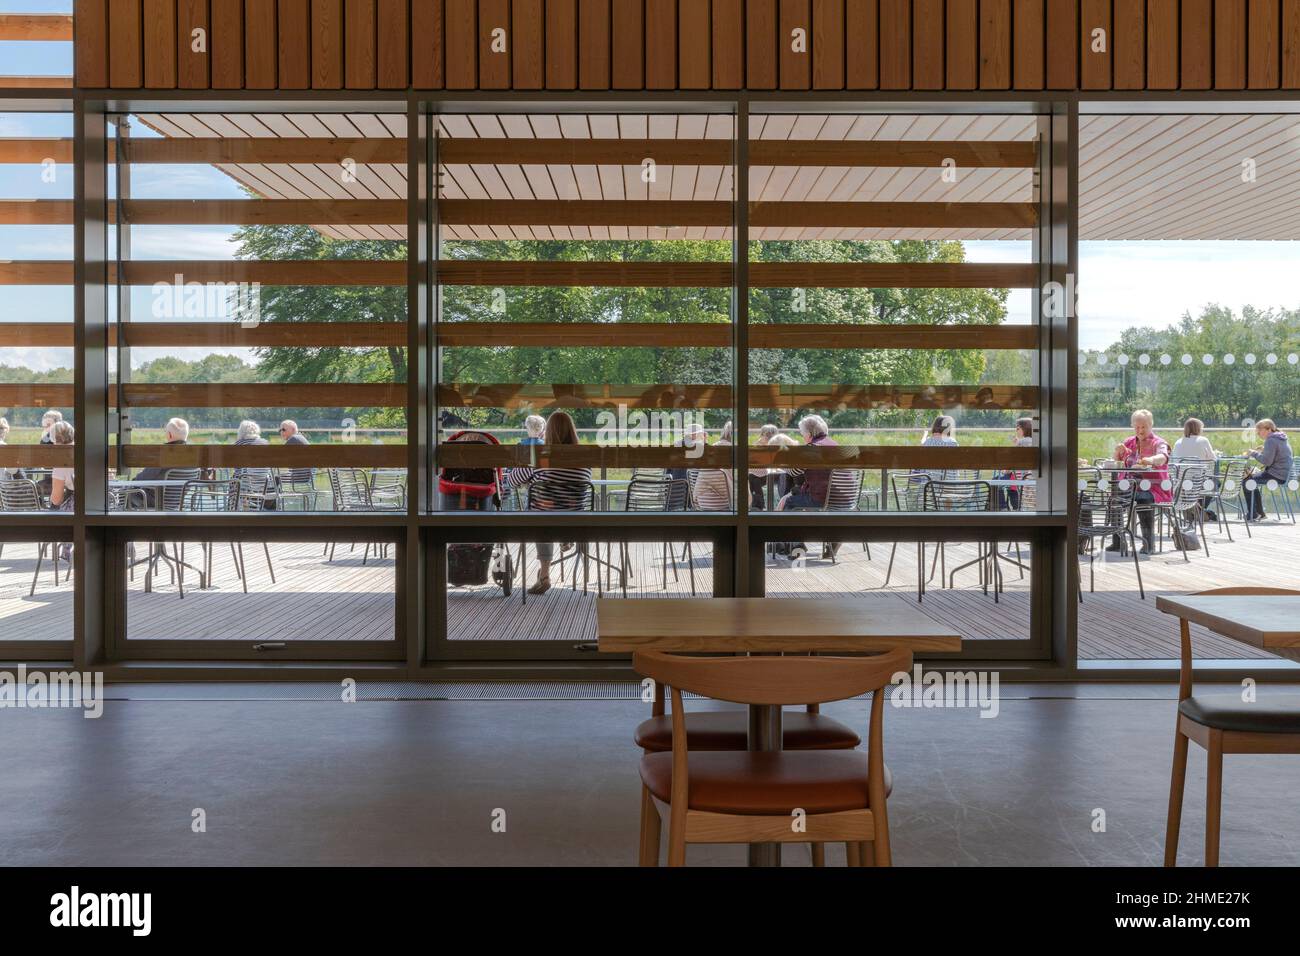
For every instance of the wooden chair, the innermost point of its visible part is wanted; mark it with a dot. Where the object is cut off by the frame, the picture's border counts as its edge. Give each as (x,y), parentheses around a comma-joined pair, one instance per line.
(750,797)
(1223,724)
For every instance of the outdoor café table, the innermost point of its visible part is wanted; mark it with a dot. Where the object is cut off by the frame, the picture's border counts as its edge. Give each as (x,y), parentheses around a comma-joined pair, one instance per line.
(157,549)
(769,626)
(603,485)
(1270,622)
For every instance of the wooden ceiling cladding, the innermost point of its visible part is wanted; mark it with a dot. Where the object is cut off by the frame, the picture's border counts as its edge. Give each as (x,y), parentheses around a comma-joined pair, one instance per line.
(566,45)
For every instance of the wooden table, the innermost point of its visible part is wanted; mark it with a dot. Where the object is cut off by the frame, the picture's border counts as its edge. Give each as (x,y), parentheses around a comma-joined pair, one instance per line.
(768,626)
(1270,622)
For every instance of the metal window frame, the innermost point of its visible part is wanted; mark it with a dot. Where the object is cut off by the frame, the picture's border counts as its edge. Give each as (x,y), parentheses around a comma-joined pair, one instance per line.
(421,534)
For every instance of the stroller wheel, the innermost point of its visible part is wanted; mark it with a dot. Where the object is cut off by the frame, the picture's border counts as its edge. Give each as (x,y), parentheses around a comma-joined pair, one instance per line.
(503,577)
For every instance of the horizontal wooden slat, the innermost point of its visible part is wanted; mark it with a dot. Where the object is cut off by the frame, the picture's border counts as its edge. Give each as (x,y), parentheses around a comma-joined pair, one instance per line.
(35,82)
(912,153)
(835,336)
(35,212)
(720,396)
(24,395)
(36,335)
(36,150)
(720,456)
(36,272)
(36,456)
(264,335)
(265,149)
(581,212)
(719,335)
(461,455)
(264,395)
(884,215)
(619,152)
(584,396)
(359,455)
(271,272)
(247,212)
(893,275)
(603,334)
(611,274)
(35,26)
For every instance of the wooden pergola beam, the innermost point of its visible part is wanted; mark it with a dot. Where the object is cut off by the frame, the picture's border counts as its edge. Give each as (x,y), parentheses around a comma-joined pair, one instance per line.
(35,26)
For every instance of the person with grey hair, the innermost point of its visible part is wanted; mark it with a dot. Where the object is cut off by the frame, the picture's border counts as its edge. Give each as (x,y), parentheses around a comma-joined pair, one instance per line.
(250,433)
(61,479)
(535,425)
(48,421)
(811,484)
(5,473)
(289,432)
(177,432)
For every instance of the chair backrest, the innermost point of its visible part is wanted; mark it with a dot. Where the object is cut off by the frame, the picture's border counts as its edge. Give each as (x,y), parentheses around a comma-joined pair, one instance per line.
(773,680)
(254,483)
(680,497)
(19,494)
(210,495)
(351,489)
(1105,510)
(577,495)
(961,474)
(844,492)
(909,490)
(1189,483)
(174,496)
(947,495)
(647,494)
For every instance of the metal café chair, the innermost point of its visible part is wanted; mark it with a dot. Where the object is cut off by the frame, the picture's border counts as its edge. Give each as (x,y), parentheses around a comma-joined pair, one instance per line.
(172,498)
(909,495)
(1105,513)
(388,489)
(350,488)
(256,490)
(843,494)
(1229,492)
(538,490)
(1187,481)
(653,495)
(20,494)
(965,495)
(209,496)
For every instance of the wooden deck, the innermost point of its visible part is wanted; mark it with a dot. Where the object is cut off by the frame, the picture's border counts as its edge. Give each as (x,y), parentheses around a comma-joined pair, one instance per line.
(315,599)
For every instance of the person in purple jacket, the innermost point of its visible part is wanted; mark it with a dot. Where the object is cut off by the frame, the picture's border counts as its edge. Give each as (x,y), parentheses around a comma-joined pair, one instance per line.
(1274,457)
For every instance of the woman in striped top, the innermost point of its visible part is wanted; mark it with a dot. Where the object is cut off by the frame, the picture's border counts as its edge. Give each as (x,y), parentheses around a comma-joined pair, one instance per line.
(553,489)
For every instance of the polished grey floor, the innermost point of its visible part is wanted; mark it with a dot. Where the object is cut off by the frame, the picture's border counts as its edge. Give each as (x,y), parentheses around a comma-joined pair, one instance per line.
(285,781)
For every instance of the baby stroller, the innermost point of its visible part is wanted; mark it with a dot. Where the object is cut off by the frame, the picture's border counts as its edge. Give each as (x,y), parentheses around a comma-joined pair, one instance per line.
(474,489)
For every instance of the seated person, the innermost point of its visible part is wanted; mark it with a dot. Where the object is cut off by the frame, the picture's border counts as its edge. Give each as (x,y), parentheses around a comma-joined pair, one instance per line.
(177,432)
(1274,457)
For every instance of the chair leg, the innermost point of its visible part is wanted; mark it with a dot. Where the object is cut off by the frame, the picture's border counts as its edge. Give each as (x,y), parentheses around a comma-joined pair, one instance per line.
(650,826)
(818,854)
(690,565)
(622,571)
(269,568)
(1177,781)
(890,570)
(40,557)
(1137,566)
(238,554)
(1213,796)
(676,836)
(867,853)
(853,853)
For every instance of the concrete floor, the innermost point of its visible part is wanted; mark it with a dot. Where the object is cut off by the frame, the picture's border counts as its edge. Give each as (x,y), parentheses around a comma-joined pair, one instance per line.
(418,782)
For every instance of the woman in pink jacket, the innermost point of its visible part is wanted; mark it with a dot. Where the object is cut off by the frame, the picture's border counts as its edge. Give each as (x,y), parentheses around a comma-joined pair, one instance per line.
(1148,455)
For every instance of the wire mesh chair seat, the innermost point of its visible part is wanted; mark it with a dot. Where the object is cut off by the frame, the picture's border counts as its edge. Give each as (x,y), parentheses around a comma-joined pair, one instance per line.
(1107,513)
(388,489)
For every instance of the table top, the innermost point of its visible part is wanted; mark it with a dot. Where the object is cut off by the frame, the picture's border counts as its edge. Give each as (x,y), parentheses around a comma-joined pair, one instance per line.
(1009,482)
(769,624)
(148,482)
(1260,620)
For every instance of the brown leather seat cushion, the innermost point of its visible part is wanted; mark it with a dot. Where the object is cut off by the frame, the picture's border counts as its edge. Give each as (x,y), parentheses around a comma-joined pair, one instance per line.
(819,781)
(729,729)
(1274,715)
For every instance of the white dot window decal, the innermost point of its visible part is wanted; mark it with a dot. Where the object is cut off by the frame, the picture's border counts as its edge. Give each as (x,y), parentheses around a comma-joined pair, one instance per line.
(1250,484)
(1186,359)
(1271,358)
(1145,484)
(1293,485)
(1250,358)
(1102,359)
(1230,359)
(1103,484)
(1144,359)
(1083,359)
(1293,359)
(1209,485)
(1123,360)
(1166,359)
(1272,484)
(1083,484)
(1123,484)
(1207,359)
(1229,485)
(1166,485)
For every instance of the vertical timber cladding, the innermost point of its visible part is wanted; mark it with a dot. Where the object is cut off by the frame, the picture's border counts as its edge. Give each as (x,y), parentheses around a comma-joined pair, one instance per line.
(598,45)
